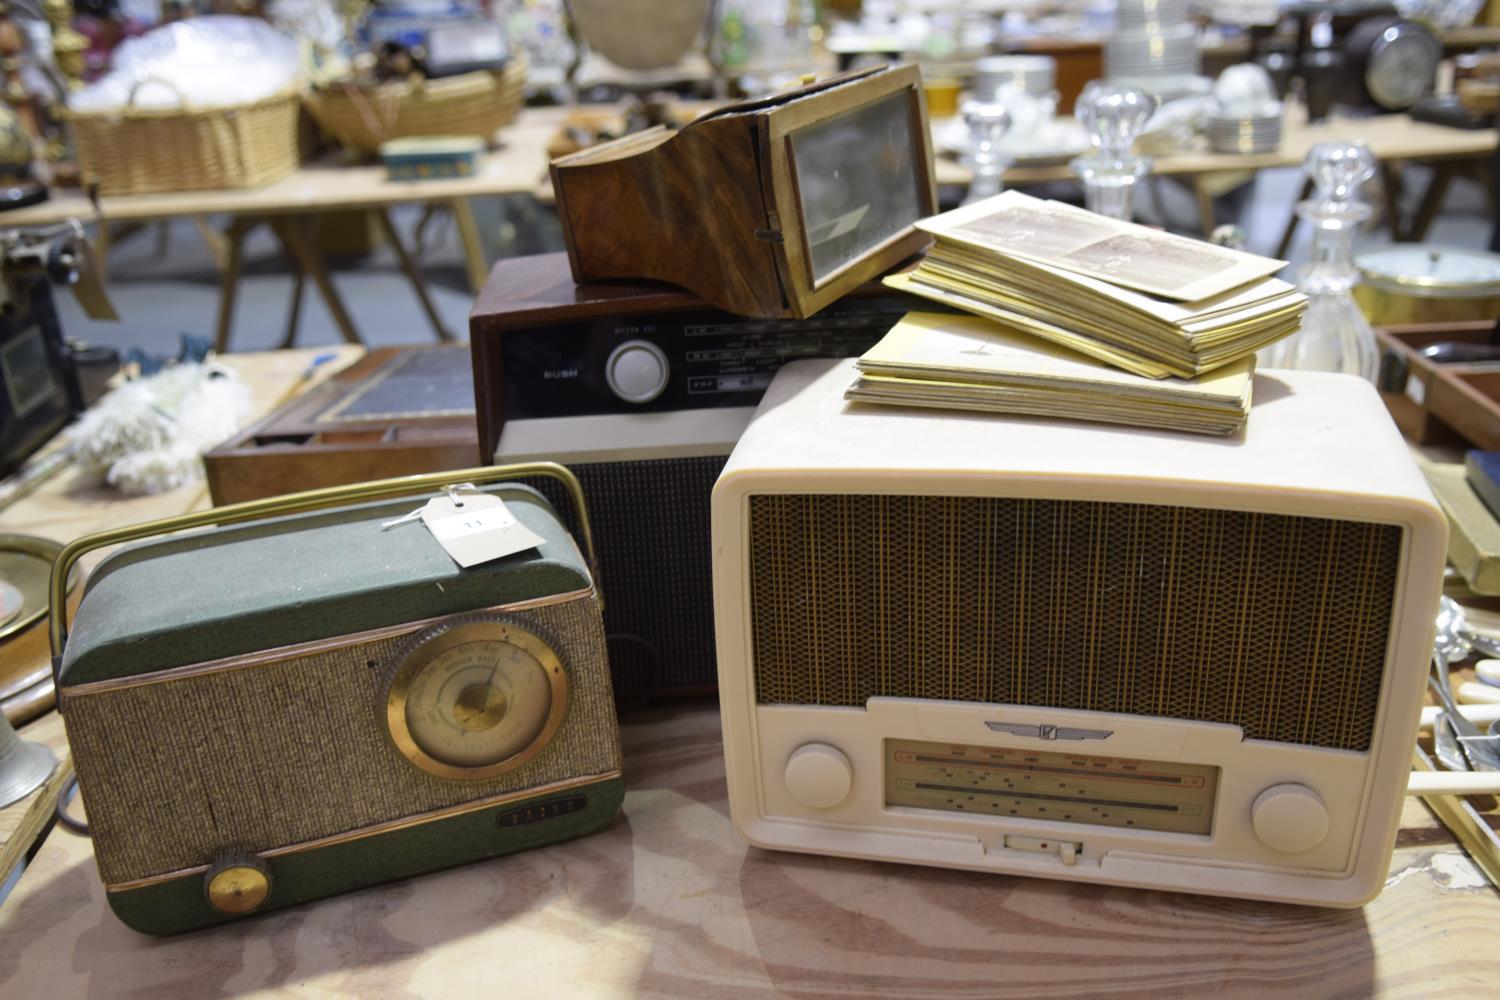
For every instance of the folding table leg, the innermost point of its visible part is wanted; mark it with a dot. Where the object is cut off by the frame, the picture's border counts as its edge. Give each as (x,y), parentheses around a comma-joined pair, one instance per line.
(295,235)
(1432,200)
(294,312)
(234,248)
(412,272)
(468,234)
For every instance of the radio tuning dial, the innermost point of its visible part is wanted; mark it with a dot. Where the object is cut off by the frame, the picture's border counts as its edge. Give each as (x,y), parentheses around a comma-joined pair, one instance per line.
(819,776)
(637,371)
(1289,818)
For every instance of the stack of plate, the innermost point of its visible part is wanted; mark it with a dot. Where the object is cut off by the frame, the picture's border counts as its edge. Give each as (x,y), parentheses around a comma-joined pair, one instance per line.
(1034,75)
(1153,47)
(1141,16)
(1244,134)
(1172,51)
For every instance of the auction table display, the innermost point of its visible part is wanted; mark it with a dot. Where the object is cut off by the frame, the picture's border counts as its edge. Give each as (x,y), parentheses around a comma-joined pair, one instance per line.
(1393,139)
(292,206)
(670,900)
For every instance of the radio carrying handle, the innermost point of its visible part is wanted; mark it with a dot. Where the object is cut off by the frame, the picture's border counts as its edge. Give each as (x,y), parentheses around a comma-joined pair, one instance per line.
(293,503)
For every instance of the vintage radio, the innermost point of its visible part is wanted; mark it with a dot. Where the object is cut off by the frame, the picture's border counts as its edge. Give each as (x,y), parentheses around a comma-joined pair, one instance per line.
(1073,651)
(642,390)
(775,206)
(264,714)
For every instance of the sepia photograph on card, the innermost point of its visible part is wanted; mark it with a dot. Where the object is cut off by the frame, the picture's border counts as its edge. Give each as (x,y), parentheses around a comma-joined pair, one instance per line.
(1120,253)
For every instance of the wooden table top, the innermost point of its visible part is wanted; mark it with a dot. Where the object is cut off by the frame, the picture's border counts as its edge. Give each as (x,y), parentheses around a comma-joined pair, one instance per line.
(671,901)
(1390,137)
(519,166)
(515,167)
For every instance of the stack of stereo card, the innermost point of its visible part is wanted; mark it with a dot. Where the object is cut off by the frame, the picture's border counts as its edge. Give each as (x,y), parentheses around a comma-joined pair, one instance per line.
(947,361)
(1145,301)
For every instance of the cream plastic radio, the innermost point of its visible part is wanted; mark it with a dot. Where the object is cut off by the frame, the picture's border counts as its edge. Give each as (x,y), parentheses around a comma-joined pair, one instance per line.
(1076,651)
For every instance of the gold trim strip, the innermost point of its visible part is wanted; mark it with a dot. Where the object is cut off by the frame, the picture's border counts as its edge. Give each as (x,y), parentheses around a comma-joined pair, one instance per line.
(302,650)
(390,826)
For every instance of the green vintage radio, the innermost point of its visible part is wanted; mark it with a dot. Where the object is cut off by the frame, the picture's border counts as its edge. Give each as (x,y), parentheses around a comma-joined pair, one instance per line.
(267,713)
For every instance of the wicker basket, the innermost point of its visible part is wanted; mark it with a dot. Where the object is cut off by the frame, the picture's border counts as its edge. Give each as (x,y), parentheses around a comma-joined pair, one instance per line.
(141,151)
(477,104)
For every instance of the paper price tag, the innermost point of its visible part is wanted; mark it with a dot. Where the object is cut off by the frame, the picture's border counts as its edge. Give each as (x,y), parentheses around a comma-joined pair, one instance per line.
(476,528)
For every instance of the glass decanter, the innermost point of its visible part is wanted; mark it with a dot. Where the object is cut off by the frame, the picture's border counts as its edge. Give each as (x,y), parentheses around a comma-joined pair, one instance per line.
(988,123)
(1114,116)
(1335,336)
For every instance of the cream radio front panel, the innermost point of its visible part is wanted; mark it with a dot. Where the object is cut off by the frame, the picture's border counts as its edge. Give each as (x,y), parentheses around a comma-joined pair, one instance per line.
(1087,653)
(1080,795)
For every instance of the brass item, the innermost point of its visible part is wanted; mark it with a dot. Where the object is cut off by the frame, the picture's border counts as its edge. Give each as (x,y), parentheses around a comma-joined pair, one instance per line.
(254,510)
(24,564)
(942,95)
(479,707)
(69,46)
(1392,297)
(237,884)
(484,708)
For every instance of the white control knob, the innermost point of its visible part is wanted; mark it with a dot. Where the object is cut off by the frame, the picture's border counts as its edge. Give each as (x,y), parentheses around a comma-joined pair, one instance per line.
(819,776)
(636,371)
(1289,818)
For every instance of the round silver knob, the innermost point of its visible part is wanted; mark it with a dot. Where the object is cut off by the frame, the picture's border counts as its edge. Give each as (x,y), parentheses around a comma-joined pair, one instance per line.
(819,776)
(637,371)
(1289,818)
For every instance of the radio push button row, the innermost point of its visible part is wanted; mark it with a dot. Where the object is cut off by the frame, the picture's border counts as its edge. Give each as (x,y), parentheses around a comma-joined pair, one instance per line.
(1289,818)
(636,371)
(819,776)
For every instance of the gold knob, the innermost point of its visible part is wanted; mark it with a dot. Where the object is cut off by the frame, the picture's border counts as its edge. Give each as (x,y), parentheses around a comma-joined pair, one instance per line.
(237,884)
(479,707)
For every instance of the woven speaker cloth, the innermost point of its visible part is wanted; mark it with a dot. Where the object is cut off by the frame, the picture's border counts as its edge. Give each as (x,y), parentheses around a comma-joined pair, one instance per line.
(177,773)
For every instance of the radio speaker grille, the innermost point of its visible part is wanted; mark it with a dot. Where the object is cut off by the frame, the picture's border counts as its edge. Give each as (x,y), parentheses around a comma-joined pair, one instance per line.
(1273,623)
(651,524)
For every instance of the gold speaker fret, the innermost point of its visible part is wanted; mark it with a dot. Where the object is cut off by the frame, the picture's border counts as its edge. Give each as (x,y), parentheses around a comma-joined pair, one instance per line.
(1275,623)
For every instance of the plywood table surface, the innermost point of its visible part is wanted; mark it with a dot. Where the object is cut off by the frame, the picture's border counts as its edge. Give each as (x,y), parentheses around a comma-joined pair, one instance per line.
(22,822)
(75,503)
(512,168)
(1390,137)
(671,901)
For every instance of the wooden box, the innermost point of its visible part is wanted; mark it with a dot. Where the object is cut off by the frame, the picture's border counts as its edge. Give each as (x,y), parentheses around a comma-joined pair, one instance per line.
(396,412)
(768,208)
(1433,403)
